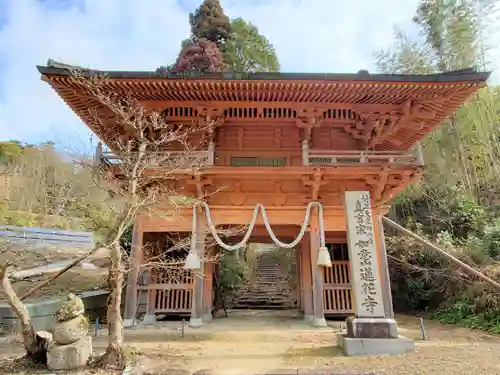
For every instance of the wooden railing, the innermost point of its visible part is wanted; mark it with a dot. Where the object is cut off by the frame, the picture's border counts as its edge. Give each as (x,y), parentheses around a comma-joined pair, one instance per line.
(159,159)
(335,158)
(168,293)
(337,296)
(206,158)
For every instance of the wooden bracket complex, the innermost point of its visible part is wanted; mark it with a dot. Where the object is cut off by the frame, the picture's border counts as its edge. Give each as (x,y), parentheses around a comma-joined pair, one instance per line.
(307,119)
(314,182)
(378,183)
(210,116)
(200,182)
(395,184)
(375,127)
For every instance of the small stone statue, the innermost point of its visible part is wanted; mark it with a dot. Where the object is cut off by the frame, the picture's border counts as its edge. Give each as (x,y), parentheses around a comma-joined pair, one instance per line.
(72,345)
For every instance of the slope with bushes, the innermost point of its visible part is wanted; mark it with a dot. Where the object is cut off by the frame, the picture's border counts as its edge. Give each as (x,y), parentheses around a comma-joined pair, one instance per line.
(456,204)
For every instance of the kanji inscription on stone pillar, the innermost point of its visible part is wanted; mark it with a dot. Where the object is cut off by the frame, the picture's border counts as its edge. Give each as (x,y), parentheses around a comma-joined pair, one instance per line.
(365,275)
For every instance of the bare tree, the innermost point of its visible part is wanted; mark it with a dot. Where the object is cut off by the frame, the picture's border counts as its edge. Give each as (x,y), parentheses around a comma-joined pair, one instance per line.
(140,182)
(138,177)
(35,345)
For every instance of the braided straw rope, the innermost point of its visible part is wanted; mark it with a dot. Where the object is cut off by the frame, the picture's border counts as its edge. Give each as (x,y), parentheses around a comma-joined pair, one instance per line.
(193,260)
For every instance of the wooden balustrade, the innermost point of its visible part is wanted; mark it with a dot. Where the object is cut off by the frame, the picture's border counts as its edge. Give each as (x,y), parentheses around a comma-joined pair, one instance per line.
(335,158)
(159,159)
(170,293)
(337,296)
(206,158)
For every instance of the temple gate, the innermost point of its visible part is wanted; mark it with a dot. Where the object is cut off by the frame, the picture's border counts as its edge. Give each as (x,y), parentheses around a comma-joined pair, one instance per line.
(349,142)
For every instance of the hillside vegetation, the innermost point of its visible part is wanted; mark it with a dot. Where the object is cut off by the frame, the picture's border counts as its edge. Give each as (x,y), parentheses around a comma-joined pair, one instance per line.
(457,203)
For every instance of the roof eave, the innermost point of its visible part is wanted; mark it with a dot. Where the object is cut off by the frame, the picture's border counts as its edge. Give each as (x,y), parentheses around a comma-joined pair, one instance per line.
(464,75)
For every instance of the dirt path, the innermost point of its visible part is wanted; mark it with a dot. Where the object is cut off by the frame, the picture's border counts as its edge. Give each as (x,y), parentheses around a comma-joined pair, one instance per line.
(261,341)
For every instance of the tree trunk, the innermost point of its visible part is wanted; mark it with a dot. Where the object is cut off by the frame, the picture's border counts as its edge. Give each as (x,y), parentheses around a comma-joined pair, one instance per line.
(114,355)
(35,346)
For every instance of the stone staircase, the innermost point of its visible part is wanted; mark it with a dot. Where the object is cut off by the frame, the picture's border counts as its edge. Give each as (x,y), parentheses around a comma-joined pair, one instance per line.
(267,289)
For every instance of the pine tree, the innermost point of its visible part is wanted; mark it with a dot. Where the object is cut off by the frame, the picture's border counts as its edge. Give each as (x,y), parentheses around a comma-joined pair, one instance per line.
(210,22)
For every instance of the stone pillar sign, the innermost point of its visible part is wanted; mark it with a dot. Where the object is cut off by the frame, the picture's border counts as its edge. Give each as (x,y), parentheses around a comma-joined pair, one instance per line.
(369,332)
(365,274)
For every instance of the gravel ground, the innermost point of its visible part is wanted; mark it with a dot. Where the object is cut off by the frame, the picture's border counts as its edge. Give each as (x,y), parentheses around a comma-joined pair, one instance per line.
(259,341)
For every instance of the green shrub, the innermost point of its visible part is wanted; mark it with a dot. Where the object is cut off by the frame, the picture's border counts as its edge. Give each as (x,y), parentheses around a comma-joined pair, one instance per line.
(464,311)
(233,271)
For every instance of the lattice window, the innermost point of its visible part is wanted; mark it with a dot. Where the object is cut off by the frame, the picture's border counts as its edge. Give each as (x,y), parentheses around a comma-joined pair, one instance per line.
(275,113)
(340,114)
(313,160)
(180,112)
(257,162)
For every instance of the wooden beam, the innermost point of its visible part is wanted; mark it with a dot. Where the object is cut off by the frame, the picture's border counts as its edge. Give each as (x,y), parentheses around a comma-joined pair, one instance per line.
(307,282)
(241,215)
(300,107)
(466,267)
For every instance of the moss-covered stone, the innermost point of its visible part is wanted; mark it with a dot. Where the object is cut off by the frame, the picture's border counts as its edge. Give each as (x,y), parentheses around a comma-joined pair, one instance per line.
(71,308)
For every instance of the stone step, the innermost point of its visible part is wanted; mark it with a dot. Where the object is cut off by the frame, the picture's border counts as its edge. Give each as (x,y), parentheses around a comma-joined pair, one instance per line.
(265,290)
(262,298)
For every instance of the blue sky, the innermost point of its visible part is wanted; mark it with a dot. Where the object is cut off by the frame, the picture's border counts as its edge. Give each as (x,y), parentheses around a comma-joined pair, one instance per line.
(309,36)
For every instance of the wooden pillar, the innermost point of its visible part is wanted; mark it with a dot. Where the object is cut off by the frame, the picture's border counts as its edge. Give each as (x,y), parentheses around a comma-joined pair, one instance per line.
(385,280)
(197,302)
(151,303)
(137,258)
(208,285)
(317,275)
(306,277)
(298,277)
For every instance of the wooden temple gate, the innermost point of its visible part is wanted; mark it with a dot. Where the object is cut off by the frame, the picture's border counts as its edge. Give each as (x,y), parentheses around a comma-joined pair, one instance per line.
(279,139)
(171,292)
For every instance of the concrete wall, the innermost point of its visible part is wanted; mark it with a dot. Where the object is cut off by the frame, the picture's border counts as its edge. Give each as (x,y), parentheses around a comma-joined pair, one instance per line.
(40,237)
(42,312)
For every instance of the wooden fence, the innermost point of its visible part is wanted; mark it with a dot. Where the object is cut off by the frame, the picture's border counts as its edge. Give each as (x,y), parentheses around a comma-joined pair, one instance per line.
(46,237)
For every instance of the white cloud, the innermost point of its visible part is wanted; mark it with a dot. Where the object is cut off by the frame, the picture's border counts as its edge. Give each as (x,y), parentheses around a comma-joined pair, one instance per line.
(309,35)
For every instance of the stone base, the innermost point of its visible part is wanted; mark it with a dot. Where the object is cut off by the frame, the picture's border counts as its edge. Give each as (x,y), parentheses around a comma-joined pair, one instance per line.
(319,322)
(149,318)
(207,317)
(70,357)
(128,323)
(352,346)
(195,323)
(371,328)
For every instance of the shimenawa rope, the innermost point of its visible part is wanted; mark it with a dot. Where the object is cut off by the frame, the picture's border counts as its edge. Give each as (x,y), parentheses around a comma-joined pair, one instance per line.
(193,259)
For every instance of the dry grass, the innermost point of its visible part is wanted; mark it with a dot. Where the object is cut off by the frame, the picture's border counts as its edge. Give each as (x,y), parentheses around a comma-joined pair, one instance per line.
(76,280)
